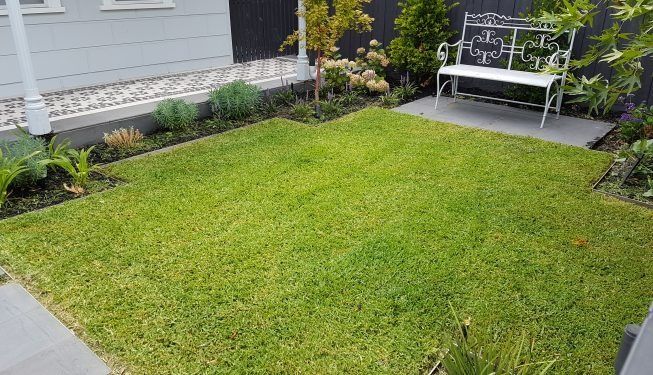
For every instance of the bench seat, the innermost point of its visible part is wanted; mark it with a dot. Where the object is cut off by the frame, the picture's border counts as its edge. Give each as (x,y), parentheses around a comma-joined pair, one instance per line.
(498,74)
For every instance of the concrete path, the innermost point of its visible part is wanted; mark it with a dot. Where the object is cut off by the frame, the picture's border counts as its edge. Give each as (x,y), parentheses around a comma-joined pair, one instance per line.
(32,341)
(568,130)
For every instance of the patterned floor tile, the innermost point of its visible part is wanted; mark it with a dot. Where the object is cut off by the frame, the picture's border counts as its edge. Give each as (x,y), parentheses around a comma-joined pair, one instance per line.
(100,97)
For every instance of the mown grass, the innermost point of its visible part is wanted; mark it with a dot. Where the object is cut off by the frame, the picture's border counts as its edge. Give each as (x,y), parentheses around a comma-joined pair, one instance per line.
(284,248)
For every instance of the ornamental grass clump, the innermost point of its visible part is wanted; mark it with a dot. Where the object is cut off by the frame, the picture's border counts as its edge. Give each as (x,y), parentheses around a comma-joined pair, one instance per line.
(235,101)
(468,354)
(123,139)
(175,114)
(32,151)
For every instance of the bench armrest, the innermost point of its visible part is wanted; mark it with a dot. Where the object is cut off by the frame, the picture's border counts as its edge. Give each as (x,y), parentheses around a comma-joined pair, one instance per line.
(443,50)
(554,59)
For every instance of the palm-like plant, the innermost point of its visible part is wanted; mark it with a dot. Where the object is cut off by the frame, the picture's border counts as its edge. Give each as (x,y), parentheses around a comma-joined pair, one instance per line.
(77,165)
(10,168)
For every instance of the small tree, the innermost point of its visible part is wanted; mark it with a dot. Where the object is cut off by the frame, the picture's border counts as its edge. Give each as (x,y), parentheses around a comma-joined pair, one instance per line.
(325,28)
(422,26)
(622,51)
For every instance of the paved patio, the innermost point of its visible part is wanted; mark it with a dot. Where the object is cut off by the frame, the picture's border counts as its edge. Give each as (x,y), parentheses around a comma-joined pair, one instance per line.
(32,341)
(112,96)
(568,130)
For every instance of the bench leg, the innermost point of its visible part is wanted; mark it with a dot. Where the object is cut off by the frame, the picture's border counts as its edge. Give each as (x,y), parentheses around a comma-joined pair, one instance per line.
(437,90)
(559,101)
(454,88)
(546,105)
(440,89)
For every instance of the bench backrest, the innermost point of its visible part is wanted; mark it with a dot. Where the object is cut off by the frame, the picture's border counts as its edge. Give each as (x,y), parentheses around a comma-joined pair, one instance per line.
(490,37)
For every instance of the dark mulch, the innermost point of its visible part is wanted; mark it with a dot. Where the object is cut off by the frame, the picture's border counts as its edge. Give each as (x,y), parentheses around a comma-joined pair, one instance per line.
(50,191)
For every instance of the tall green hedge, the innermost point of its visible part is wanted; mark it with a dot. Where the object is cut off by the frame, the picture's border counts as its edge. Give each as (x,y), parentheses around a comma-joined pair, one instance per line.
(422,26)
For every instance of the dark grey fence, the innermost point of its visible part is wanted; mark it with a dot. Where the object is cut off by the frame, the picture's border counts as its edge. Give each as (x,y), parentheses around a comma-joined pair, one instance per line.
(385,12)
(258,27)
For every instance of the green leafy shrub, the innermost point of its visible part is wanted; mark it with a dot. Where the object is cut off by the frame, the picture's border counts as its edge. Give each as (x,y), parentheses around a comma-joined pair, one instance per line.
(33,150)
(389,100)
(331,109)
(284,97)
(10,169)
(268,107)
(405,91)
(422,26)
(174,114)
(77,165)
(302,111)
(636,123)
(623,52)
(349,98)
(235,101)
(467,354)
(56,149)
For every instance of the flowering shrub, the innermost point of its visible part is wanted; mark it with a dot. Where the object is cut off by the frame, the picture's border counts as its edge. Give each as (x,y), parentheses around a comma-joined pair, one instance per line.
(636,123)
(370,80)
(374,59)
(367,71)
(336,70)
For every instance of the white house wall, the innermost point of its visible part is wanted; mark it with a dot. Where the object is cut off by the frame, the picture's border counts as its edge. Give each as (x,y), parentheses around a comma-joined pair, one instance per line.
(86,45)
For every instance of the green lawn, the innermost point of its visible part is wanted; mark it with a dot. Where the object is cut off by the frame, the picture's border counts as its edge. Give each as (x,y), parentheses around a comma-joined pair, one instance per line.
(336,249)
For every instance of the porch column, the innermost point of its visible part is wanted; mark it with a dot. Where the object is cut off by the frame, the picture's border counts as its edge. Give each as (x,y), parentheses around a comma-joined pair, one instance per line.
(303,72)
(38,121)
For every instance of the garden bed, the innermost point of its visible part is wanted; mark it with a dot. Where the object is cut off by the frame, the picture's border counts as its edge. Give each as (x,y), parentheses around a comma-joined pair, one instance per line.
(50,191)
(626,179)
(619,182)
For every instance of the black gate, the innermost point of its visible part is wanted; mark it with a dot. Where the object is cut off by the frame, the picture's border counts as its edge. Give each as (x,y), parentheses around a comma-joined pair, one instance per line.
(258,27)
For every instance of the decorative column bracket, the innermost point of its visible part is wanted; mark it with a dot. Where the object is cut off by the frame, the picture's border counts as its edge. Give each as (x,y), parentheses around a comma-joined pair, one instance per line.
(38,120)
(303,65)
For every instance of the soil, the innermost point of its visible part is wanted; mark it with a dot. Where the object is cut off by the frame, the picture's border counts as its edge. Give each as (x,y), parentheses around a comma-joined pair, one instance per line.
(50,191)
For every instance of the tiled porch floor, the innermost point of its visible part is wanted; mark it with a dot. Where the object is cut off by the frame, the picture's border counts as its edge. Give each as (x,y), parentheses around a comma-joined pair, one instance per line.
(62,104)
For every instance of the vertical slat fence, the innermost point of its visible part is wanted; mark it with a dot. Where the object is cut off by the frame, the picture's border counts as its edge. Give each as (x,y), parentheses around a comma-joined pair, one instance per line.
(258,27)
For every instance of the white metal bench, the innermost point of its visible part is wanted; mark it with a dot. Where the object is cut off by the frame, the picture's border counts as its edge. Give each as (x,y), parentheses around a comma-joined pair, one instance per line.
(485,46)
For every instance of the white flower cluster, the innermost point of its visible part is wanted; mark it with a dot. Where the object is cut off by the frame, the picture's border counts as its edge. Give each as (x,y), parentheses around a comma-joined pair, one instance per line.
(340,64)
(369,79)
(381,58)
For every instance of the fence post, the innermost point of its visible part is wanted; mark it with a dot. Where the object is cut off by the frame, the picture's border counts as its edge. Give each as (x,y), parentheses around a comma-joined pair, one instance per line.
(303,70)
(38,121)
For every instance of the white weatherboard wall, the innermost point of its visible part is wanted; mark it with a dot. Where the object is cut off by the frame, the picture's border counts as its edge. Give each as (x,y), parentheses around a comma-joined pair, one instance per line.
(86,45)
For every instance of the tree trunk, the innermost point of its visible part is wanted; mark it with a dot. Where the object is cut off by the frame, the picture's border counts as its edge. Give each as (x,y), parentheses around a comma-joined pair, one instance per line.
(318,75)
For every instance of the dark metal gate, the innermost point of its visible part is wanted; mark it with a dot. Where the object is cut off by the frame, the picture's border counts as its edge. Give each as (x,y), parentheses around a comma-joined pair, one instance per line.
(258,27)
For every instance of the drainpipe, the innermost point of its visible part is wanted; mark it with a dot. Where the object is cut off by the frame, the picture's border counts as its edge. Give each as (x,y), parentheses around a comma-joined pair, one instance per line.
(302,58)
(38,121)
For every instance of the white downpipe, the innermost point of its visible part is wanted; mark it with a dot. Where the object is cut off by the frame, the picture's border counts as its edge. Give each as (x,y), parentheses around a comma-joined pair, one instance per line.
(38,121)
(303,66)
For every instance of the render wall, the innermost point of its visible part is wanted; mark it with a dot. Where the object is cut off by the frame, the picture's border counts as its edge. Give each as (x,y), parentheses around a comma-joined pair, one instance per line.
(85,45)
